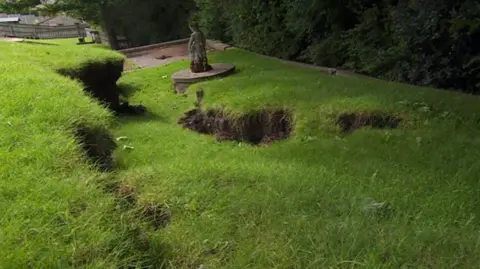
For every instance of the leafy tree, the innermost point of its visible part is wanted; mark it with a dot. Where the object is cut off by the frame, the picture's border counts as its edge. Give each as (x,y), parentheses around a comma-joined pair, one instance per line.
(152,21)
(423,42)
(143,22)
(18,6)
(94,11)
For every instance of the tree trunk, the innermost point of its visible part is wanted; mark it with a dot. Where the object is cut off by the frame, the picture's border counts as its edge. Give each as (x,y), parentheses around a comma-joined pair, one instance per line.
(107,24)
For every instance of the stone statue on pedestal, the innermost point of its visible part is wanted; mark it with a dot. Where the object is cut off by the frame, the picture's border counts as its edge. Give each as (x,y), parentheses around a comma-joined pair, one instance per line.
(197,49)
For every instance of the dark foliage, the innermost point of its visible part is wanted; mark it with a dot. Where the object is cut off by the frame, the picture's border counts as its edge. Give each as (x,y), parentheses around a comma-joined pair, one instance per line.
(152,21)
(423,42)
(142,22)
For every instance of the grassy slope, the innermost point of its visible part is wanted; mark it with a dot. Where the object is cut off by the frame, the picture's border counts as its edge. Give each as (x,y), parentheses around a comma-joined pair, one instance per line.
(53,212)
(299,203)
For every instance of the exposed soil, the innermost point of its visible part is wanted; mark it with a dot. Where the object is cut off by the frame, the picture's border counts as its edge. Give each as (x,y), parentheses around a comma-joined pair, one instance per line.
(349,122)
(100,80)
(259,127)
(158,216)
(127,193)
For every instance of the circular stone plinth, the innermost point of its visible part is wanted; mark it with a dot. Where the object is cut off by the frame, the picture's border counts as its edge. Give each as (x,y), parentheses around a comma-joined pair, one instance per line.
(183,78)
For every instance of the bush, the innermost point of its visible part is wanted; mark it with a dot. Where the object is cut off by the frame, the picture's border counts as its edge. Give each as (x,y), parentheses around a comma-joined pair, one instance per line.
(424,42)
(151,21)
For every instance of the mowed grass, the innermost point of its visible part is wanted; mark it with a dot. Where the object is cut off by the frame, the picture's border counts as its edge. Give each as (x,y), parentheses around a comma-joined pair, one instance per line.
(307,202)
(311,201)
(54,210)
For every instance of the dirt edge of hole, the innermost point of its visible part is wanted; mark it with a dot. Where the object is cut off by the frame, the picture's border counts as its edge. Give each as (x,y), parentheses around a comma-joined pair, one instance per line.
(158,216)
(257,127)
(98,145)
(100,81)
(351,121)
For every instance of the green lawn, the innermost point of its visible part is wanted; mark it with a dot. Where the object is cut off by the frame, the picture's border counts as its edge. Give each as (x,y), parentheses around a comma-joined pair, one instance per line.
(54,212)
(303,203)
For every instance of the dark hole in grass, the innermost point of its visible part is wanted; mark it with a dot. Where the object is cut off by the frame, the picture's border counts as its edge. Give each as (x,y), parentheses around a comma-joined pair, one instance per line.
(100,81)
(126,109)
(258,127)
(98,145)
(158,216)
(77,208)
(349,122)
(127,194)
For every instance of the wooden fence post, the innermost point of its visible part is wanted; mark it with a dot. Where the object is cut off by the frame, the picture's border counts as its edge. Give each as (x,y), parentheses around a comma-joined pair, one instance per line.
(35,34)
(12,31)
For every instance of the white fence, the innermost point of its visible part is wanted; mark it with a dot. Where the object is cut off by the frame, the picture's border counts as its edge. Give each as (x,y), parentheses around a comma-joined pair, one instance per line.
(41,31)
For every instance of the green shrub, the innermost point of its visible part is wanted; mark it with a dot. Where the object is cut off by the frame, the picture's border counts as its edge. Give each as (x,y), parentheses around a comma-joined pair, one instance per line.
(424,42)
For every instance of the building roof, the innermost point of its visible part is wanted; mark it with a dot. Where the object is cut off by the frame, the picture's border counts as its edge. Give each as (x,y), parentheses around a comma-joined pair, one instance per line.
(59,20)
(10,19)
(32,19)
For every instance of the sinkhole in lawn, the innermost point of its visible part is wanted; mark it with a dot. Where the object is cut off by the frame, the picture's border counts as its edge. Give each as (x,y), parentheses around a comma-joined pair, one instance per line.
(158,216)
(349,122)
(257,127)
(98,145)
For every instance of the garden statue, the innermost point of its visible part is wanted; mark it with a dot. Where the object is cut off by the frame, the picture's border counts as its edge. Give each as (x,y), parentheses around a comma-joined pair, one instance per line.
(199,68)
(197,49)
(200,95)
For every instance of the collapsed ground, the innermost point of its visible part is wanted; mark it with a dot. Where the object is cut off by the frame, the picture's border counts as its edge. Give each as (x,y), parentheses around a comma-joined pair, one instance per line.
(374,174)
(330,195)
(56,207)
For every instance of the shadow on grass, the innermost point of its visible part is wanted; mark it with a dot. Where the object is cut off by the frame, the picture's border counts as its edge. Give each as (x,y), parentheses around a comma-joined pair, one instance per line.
(38,43)
(146,117)
(127,90)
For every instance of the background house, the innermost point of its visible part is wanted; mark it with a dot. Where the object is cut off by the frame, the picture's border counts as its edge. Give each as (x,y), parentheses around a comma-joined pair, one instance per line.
(60,21)
(10,20)
(39,20)
(39,27)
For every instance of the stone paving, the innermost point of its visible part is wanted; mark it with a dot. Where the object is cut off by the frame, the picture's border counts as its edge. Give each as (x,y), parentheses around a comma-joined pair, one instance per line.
(160,56)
